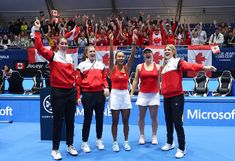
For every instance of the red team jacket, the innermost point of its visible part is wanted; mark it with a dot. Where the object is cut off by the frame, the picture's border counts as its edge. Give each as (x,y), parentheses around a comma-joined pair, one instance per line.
(91,77)
(62,73)
(172,76)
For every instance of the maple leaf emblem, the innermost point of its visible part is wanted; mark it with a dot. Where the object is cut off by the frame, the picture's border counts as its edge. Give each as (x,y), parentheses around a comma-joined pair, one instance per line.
(200,58)
(105,59)
(157,57)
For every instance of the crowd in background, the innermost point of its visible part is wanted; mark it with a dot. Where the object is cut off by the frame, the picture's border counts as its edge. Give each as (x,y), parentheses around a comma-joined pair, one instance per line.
(148,31)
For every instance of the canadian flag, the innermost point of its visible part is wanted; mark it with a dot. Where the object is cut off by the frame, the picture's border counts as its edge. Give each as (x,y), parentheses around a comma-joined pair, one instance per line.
(200,54)
(19,65)
(54,13)
(34,57)
(102,55)
(215,49)
(74,53)
(73,34)
(158,54)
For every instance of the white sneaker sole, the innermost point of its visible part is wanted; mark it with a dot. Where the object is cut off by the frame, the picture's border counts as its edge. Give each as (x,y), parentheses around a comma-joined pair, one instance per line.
(72,154)
(168,149)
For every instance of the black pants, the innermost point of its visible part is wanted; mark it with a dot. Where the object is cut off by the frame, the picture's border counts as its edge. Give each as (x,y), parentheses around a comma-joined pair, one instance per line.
(63,102)
(173,108)
(93,101)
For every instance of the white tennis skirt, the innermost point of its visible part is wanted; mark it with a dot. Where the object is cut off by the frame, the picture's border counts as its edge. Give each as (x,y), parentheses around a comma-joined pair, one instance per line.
(148,99)
(119,99)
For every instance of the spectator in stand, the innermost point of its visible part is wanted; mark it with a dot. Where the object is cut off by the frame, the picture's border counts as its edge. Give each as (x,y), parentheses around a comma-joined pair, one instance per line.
(46,28)
(202,35)
(217,37)
(92,38)
(7,71)
(63,91)
(122,37)
(145,38)
(102,38)
(156,37)
(6,41)
(180,35)
(24,27)
(174,96)
(119,101)
(229,39)
(170,38)
(135,37)
(223,27)
(91,81)
(71,23)
(89,26)
(195,40)
(82,40)
(91,34)
(16,41)
(168,28)
(149,75)
(187,33)
(24,41)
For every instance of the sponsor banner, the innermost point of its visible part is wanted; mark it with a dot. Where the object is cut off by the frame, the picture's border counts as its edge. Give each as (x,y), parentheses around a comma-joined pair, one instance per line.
(225,59)
(11,56)
(46,116)
(207,111)
(6,113)
(182,52)
(19,109)
(29,70)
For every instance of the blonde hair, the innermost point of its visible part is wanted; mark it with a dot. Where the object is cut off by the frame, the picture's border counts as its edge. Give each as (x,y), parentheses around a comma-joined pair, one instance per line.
(173,49)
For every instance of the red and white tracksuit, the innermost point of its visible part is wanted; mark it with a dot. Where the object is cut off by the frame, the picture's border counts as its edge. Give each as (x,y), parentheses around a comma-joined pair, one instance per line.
(173,97)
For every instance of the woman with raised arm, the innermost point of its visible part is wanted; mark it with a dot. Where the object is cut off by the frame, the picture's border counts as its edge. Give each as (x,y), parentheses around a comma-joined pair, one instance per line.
(63,91)
(119,101)
(173,94)
(149,75)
